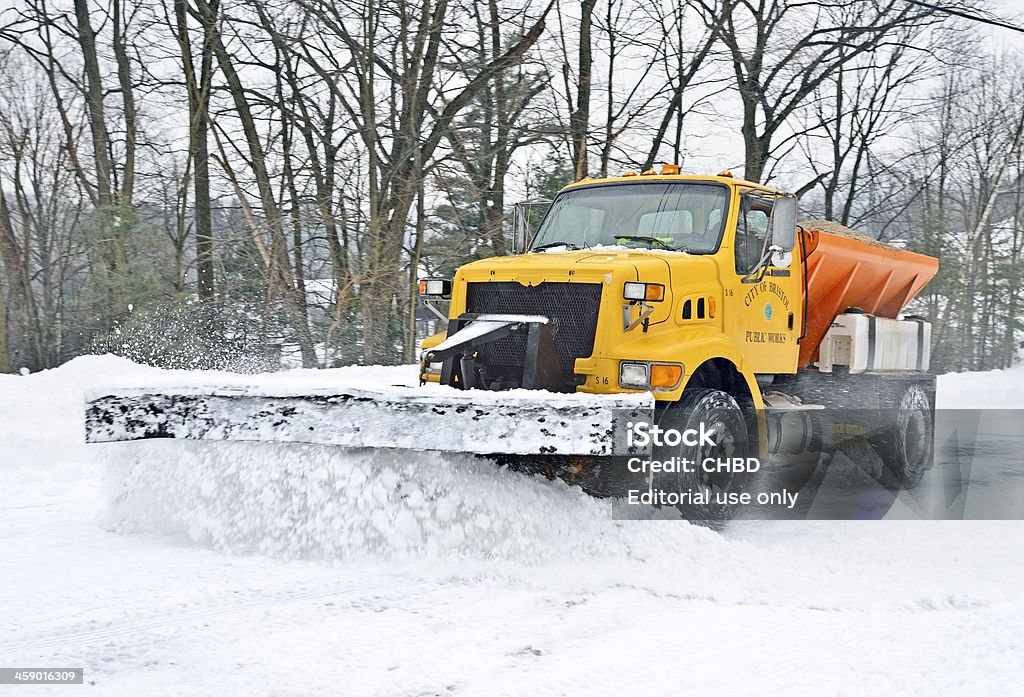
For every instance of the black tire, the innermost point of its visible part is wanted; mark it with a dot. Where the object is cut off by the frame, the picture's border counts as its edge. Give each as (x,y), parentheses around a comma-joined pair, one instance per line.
(906,448)
(720,412)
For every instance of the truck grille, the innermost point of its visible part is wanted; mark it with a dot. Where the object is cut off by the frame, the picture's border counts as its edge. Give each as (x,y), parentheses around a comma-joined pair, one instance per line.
(572,307)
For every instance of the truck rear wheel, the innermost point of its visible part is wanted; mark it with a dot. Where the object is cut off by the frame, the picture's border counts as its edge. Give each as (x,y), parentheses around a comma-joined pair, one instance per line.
(719,412)
(906,448)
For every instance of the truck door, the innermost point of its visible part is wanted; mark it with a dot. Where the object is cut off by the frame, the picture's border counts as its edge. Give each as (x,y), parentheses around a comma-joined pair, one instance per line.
(763,301)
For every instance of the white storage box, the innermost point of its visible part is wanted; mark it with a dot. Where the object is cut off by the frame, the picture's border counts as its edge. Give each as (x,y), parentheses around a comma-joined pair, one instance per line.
(866,343)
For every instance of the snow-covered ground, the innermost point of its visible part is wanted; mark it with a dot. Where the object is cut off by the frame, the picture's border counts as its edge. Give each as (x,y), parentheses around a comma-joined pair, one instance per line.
(158,567)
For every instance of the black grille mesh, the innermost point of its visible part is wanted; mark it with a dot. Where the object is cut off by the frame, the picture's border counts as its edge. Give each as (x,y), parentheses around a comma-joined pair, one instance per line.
(572,306)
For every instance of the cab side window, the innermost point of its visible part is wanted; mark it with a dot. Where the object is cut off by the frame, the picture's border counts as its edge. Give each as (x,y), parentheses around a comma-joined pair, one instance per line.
(751,231)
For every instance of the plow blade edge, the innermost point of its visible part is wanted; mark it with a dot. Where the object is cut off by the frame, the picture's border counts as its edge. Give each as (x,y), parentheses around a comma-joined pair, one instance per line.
(485,423)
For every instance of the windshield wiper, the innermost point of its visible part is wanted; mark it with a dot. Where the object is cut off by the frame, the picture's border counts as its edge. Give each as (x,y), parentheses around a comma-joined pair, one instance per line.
(549,245)
(649,240)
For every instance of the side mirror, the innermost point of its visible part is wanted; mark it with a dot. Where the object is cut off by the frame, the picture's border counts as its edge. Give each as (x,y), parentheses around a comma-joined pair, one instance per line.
(520,229)
(527,215)
(784,214)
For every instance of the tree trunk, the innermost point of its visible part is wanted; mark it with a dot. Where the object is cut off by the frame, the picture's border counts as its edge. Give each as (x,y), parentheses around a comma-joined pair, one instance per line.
(124,79)
(112,230)
(16,262)
(413,286)
(579,119)
(5,350)
(198,90)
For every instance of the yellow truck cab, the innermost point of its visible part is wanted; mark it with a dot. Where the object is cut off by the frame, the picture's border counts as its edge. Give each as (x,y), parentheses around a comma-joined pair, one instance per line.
(687,248)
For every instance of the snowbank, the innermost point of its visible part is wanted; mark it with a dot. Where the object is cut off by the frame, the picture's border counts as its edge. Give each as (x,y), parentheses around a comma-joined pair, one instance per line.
(995,389)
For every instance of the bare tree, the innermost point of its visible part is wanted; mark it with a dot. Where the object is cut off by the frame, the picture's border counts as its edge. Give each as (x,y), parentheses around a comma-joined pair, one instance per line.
(5,349)
(197,87)
(963,183)
(579,113)
(418,119)
(782,52)
(497,124)
(280,270)
(38,221)
(108,173)
(682,55)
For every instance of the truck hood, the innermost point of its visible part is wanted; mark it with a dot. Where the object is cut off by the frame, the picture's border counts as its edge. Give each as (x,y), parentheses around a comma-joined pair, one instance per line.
(651,266)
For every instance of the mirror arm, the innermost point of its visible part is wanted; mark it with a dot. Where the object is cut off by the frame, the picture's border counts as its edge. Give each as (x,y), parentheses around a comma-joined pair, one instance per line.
(756,274)
(437,311)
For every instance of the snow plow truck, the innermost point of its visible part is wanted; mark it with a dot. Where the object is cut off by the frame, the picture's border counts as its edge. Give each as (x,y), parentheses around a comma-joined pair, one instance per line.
(648,302)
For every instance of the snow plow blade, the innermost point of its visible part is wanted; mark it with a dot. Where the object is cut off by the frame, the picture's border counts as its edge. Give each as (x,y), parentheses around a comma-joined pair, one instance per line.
(435,418)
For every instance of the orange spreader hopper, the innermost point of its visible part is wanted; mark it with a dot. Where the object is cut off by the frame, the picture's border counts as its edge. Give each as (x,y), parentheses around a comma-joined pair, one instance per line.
(846,269)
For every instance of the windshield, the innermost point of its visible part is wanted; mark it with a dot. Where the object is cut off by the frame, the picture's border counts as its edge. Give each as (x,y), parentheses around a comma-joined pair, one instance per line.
(680,216)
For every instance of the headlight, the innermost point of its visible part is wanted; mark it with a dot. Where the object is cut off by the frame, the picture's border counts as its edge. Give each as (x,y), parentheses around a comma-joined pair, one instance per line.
(651,292)
(659,377)
(436,287)
(633,375)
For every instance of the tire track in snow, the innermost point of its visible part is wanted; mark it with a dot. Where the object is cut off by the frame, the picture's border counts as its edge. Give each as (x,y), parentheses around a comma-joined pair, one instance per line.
(354,597)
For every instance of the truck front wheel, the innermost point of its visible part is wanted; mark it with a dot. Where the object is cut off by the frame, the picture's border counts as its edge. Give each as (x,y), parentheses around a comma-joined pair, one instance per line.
(706,497)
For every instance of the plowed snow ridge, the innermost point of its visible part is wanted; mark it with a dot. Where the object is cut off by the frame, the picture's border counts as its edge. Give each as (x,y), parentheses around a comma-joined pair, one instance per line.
(307,501)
